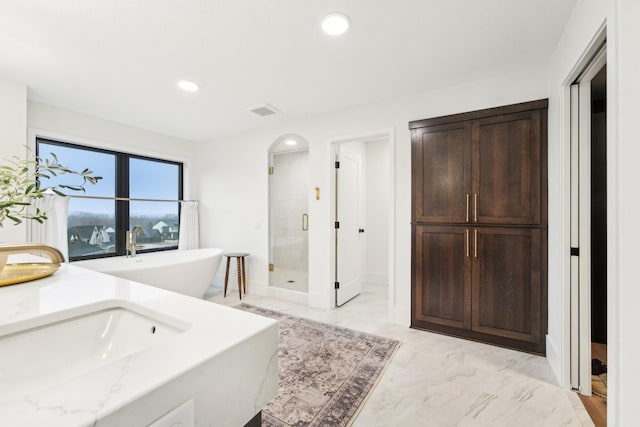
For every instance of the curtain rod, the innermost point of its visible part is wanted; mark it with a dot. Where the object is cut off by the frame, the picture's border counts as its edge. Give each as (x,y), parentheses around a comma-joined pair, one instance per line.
(126,199)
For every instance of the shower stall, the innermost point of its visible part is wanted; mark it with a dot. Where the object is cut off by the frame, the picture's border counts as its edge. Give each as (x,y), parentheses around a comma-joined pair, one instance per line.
(289,214)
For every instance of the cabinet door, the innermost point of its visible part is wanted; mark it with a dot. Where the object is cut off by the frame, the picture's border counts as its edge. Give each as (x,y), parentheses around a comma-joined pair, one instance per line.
(506,169)
(442,276)
(441,157)
(507,298)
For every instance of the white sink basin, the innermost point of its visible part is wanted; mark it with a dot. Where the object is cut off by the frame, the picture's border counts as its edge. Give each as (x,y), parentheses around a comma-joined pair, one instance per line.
(58,349)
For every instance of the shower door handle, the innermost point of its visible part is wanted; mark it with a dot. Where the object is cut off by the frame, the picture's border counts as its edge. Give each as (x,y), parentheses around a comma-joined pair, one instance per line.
(305,222)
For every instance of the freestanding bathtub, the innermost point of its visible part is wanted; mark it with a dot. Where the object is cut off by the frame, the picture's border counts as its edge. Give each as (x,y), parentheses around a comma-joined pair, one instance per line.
(186,272)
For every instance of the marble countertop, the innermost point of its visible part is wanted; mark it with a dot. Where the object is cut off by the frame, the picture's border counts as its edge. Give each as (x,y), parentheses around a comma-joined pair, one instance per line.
(210,330)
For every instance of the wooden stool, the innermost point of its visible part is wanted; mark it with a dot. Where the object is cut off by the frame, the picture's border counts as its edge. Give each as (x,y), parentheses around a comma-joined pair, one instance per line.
(242,273)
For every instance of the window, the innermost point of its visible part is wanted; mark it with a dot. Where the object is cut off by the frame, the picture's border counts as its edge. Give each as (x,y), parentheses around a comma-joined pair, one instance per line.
(134,190)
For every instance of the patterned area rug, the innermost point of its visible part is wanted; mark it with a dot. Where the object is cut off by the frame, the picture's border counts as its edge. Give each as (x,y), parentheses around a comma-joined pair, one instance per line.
(326,372)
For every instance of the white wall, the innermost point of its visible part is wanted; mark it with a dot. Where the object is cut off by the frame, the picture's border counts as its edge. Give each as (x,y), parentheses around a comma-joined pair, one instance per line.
(13,138)
(625,311)
(70,126)
(623,151)
(587,17)
(377,219)
(21,121)
(234,174)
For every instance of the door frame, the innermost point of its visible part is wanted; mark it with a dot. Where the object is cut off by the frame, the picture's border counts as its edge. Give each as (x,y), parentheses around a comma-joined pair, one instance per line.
(571,301)
(389,135)
(581,225)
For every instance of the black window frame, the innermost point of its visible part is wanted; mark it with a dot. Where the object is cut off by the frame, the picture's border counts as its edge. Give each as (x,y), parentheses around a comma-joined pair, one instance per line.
(122,211)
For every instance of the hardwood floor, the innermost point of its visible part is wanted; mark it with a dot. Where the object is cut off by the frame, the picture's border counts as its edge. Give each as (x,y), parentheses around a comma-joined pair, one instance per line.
(599,351)
(597,409)
(596,406)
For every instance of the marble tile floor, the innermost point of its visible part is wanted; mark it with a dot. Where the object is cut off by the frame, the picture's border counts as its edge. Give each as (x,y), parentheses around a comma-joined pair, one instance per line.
(441,381)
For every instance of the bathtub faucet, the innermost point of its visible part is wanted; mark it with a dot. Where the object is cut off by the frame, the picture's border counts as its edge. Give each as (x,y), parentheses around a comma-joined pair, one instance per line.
(131,239)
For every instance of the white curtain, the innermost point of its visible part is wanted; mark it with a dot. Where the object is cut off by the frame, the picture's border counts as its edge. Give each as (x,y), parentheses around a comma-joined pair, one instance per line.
(53,231)
(189,231)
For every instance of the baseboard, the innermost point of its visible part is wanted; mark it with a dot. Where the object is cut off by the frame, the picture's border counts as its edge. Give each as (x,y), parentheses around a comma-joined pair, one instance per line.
(554,359)
(400,316)
(320,300)
(253,287)
(375,278)
(287,295)
(257,288)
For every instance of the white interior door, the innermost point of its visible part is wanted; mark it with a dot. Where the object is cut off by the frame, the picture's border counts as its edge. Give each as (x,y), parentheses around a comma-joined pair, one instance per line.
(348,242)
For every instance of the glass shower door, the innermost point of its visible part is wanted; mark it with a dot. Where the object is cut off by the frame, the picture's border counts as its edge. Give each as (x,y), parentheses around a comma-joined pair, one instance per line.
(289,220)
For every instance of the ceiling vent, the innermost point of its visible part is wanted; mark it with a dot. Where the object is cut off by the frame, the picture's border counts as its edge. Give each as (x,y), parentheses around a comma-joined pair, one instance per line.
(264,110)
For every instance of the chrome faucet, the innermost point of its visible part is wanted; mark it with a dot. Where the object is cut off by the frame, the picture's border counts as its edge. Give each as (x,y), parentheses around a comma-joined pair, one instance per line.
(131,239)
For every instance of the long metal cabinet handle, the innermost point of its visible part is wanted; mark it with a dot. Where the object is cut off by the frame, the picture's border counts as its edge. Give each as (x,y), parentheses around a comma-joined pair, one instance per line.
(468,243)
(305,222)
(475,207)
(475,243)
(467,217)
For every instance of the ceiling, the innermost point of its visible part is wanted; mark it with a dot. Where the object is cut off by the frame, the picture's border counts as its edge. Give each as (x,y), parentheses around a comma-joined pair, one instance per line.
(121,59)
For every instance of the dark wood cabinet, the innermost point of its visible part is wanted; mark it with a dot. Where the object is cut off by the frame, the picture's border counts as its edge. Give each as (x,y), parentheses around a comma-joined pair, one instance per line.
(484,171)
(479,225)
(444,271)
(507,290)
(442,173)
(506,169)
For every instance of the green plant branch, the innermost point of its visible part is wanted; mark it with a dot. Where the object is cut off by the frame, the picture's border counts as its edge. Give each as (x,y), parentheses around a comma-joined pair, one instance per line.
(20,184)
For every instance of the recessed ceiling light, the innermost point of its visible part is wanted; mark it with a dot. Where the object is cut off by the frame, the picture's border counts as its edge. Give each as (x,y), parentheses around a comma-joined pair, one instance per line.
(291,142)
(188,86)
(335,24)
